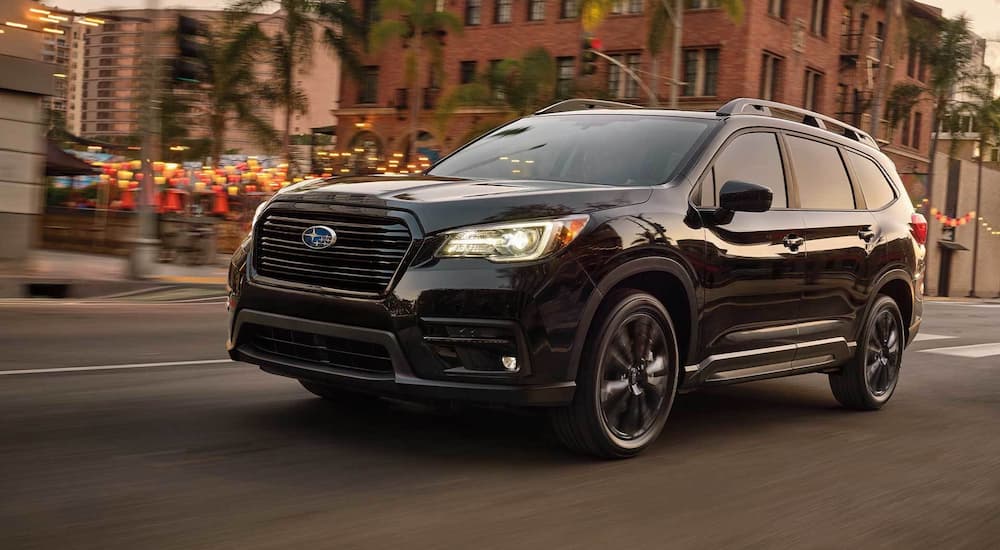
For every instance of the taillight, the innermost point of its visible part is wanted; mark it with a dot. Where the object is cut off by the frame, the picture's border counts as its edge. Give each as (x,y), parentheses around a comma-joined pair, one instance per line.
(918,227)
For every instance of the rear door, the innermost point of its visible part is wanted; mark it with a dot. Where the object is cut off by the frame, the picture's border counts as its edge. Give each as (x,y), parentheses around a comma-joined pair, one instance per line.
(841,241)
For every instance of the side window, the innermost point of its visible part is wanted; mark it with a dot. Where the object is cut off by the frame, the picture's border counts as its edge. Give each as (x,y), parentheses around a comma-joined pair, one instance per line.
(753,158)
(876,189)
(706,189)
(821,175)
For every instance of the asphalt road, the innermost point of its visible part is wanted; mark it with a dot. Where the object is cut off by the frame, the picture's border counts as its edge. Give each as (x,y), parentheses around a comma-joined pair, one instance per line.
(221,455)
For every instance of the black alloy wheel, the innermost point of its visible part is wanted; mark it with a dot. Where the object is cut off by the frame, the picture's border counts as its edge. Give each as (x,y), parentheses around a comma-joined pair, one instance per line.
(627,380)
(870,378)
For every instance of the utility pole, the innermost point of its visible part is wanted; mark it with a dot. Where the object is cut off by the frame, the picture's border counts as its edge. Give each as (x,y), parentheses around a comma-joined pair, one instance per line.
(895,10)
(142,258)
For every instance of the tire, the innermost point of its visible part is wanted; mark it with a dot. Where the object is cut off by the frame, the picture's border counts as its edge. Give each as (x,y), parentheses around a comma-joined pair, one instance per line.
(868,381)
(336,395)
(623,394)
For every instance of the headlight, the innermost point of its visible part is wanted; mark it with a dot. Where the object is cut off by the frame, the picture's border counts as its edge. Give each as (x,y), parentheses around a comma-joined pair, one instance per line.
(257,213)
(512,242)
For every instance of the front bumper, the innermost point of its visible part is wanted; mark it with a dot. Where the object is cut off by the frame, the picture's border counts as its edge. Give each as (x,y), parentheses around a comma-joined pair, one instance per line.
(401,381)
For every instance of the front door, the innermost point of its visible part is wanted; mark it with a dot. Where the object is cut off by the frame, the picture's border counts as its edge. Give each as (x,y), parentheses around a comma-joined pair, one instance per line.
(755,265)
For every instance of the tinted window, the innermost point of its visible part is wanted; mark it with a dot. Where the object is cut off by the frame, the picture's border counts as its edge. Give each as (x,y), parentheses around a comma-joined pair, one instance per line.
(593,148)
(821,175)
(753,158)
(876,189)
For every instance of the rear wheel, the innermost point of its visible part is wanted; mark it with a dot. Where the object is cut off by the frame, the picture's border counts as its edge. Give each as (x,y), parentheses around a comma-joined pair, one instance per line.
(869,380)
(627,380)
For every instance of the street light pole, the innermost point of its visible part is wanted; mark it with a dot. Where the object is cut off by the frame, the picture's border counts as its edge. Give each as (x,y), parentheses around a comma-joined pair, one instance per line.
(144,248)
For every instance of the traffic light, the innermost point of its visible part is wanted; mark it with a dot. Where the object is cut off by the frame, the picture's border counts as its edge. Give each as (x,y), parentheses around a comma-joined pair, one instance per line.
(188,65)
(588,47)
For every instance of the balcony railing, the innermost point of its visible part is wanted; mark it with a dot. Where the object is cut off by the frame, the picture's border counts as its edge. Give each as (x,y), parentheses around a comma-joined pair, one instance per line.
(853,44)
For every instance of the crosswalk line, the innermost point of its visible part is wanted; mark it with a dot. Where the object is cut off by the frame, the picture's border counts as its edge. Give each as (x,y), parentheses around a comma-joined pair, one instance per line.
(924,337)
(974,351)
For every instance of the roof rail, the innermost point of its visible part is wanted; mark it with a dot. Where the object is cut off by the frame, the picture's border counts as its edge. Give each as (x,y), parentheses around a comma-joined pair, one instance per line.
(743,105)
(583,104)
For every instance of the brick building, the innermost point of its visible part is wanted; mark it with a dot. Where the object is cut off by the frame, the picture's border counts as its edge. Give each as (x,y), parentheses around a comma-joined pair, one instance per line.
(809,53)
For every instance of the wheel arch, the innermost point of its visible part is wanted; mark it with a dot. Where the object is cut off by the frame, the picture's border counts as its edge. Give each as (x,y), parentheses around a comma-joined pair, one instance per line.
(666,279)
(897,285)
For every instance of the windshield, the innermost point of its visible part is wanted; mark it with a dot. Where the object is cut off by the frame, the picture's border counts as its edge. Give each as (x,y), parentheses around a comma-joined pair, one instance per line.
(607,149)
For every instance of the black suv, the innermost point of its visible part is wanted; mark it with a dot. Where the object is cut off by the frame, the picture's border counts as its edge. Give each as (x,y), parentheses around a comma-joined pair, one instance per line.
(595,258)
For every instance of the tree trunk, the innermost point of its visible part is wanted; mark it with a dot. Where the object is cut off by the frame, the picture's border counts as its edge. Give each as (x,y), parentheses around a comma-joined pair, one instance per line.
(675,53)
(218,129)
(655,79)
(415,95)
(929,188)
(975,217)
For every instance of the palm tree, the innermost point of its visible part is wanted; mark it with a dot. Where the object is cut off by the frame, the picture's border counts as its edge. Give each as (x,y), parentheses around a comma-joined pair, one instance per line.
(984,108)
(948,50)
(233,90)
(515,86)
(419,26)
(291,48)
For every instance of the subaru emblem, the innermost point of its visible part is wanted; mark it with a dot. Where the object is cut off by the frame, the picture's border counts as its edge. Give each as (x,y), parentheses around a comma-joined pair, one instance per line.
(319,237)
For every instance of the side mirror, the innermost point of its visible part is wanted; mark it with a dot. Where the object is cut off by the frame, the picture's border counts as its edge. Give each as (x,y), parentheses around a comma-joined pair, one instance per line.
(740,196)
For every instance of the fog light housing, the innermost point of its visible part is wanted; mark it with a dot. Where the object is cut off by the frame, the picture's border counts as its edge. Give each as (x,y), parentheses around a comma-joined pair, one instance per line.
(509,363)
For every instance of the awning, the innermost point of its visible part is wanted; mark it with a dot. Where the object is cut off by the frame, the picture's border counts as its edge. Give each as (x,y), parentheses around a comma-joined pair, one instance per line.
(61,163)
(951,245)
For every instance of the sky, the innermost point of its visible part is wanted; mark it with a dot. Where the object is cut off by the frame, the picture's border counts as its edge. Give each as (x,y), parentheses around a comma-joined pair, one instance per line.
(985,14)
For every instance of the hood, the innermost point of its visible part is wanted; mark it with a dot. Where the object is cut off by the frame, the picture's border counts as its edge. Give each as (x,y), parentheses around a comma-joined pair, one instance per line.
(446,203)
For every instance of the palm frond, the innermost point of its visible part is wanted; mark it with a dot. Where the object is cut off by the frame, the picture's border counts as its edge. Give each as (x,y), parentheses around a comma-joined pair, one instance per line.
(386,31)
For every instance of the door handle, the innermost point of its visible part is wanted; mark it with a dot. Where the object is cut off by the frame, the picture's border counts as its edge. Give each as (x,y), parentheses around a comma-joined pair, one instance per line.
(793,242)
(866,234)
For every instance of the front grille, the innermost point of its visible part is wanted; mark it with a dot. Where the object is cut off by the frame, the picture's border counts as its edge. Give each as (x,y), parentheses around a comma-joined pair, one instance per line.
(363,260)
(319,349)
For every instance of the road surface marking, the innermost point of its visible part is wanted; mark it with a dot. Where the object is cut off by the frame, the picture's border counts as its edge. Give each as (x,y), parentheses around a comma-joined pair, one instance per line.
(965,304)
(973,351)
(923,337)
(118,367)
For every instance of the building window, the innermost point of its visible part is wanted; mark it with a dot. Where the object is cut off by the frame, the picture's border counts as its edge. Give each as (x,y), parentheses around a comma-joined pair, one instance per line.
(472,11)
(918,119)
(817,24)
(564,79)
(439,5)
(569,9)
(904,135)
(813,89)
(776,8)
(369,14)
(502,14)
(701,72)
(536,10)
(620,84)
(623,7)
(701,4)
(770,77)
(466,72)
(368,92)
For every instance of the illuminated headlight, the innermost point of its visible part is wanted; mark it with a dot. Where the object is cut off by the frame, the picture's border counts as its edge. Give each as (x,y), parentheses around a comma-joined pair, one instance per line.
(512,242)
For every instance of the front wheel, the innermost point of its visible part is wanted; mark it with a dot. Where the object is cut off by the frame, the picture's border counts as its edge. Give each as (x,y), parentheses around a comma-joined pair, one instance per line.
(869,379)
(627,379)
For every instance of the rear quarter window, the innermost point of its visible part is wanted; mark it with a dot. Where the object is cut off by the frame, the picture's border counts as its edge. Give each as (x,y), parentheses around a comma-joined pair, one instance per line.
(875,187)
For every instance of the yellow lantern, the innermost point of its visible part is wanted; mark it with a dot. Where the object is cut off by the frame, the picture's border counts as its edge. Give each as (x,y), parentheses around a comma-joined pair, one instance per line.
(221,180)
(124,175)
(159,180)
(233,190)
(136,164)
(123,184)
(199,186)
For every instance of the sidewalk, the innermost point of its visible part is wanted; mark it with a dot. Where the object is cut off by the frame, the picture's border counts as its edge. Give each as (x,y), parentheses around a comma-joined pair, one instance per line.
(72,274)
